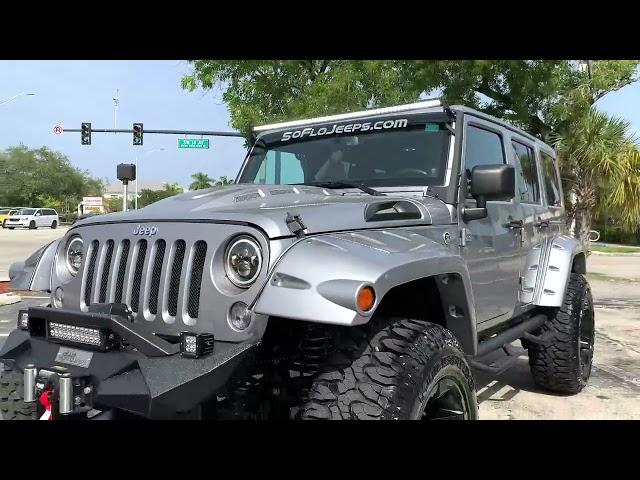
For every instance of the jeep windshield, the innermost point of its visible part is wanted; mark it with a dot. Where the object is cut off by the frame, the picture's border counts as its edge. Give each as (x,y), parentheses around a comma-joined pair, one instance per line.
(402,152)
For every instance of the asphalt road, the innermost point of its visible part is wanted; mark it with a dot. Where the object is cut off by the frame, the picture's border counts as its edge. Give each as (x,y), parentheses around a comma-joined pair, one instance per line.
(613,391)
(19,243)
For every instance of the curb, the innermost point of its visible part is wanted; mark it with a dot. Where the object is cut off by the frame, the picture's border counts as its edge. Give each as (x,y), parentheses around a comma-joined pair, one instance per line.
(9,299)
(616,254)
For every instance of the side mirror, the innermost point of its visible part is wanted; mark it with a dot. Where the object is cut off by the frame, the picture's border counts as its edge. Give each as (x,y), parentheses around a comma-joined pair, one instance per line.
(37,214)
(490,182)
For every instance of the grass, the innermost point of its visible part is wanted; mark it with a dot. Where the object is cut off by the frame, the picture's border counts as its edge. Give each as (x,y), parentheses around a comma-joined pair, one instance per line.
(615,249)
(608,278)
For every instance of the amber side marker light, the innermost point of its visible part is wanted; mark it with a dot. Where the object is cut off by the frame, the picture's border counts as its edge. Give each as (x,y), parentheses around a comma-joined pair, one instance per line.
(366,299)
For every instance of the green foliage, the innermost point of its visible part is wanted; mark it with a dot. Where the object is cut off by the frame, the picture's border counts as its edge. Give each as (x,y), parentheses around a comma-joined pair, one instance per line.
(147,197)
(222,181)
(113,205)
(201,181)
(260,91)
(551,99)
(43,178)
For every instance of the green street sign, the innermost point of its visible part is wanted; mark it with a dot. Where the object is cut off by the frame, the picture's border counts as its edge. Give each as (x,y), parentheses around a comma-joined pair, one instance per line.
(193,143)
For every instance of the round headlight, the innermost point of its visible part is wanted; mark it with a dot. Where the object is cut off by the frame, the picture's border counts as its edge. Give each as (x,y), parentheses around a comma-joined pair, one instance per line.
(73,255)
(242,261)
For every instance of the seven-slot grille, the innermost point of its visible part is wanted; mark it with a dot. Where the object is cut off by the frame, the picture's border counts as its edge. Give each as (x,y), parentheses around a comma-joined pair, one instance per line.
(161,278)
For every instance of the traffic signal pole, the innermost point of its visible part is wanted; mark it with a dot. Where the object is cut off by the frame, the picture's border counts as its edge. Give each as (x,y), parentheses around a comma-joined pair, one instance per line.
(168,132)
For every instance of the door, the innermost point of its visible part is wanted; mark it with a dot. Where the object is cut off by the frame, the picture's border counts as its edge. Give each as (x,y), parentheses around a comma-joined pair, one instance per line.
(493,243)
(38,218)
(530,198)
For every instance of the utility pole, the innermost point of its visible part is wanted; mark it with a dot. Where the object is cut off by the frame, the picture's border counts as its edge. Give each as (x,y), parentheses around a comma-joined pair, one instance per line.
(116,102)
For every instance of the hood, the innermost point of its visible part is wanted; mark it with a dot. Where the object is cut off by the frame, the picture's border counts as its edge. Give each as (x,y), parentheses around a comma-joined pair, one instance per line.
(266,206)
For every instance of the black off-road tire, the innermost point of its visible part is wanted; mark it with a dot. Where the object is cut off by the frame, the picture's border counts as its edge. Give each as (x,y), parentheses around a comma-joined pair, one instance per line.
(4,224)
(54,225)
(563,363)
(12,406)
(32,225)
(391,369)
(11,228)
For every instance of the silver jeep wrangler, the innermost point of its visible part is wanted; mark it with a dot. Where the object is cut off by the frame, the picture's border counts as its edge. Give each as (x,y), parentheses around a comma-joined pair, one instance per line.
(355,270)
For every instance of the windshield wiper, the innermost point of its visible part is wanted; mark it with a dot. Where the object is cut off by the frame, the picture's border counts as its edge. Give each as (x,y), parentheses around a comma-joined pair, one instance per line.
(359,186)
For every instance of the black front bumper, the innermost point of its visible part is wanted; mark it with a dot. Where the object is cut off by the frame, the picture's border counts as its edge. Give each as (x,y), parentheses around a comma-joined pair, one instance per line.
(127,379)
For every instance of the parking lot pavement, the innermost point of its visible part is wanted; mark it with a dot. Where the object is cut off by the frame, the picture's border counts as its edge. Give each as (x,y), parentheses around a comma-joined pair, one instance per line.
(9,313)
(613,391)
(18,244)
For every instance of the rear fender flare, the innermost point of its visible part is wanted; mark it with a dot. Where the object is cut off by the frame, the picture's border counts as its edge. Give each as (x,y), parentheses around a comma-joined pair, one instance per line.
(561,255)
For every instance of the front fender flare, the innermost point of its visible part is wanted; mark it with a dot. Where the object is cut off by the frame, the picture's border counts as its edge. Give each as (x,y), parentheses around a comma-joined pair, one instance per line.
(35,272)
(317,279)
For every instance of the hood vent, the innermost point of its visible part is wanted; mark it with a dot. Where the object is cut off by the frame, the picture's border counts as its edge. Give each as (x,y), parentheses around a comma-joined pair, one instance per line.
(395,210)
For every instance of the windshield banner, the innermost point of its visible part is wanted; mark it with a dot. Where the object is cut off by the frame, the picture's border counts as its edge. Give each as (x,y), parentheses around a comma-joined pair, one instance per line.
(348,128)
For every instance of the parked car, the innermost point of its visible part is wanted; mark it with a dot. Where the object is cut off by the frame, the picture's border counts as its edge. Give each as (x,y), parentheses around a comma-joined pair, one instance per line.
(5,214)
(33,218)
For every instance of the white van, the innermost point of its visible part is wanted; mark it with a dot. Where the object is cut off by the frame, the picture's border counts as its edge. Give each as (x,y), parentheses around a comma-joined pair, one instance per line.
(33,218)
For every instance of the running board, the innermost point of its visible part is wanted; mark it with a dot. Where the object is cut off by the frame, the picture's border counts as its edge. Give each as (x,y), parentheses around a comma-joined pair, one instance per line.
(509,335)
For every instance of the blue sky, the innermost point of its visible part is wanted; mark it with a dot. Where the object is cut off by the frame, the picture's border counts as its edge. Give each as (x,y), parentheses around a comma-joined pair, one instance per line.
(72,92)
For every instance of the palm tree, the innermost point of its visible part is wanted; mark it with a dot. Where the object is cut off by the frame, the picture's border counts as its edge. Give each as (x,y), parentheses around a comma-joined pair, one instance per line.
(223,181)
(625,191)
(591,163)
(201,181)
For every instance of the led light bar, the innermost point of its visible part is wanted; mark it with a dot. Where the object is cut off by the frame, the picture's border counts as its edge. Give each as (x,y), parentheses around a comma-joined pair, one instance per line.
(94,338)
(347,116)
(72,333)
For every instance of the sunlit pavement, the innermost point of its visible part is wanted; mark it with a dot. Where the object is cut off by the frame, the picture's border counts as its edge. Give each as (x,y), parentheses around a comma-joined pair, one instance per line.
(19,243)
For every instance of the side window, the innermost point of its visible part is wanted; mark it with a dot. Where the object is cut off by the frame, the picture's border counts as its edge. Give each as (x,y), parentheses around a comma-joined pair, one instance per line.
(482,147)
(278,168)
(551,180)
(526,173)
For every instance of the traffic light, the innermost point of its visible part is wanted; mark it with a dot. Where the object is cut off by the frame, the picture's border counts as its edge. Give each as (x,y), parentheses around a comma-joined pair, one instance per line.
(137,134)
(85,134)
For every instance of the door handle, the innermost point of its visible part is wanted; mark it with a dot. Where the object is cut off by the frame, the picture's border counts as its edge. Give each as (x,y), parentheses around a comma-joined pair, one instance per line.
(515,224)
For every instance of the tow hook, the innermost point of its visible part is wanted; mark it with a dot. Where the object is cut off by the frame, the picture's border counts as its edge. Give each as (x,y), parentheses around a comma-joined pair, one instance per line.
(47,402)
(57,393)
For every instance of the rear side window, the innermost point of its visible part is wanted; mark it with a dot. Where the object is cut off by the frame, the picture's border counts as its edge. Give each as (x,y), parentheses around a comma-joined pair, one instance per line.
(551,180)
(526,173)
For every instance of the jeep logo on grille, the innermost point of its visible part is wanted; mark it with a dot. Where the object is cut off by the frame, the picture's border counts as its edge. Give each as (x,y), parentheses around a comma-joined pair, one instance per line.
(149,231)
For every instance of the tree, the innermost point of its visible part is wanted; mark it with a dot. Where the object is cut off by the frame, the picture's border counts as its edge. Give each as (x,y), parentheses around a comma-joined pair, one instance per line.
(147,197)
(223,181)
(591,163)
(113,205)
(271,90)
(201,181)
(547,98)
(32,177)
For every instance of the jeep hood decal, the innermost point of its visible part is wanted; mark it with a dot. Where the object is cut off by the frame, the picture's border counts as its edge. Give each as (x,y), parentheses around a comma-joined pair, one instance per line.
(266,206)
